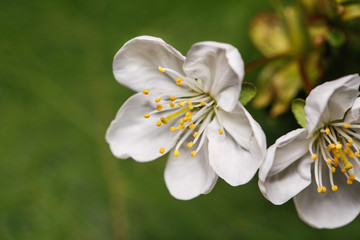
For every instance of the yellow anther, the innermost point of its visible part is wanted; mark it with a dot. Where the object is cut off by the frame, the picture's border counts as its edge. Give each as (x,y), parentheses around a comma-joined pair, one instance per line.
(220,131)
(357,154)
(188,114)
(178,82)
(172,104)
(319,189)
(333,145)
(190,144)
(347,151)
(343,169)
(188,101)
(338,146)
(336,162)
(344,159)
(333,169)
(146,115)
(351,155)
(314,156)
(327,131)
(352,177)
(164,120)
(347,125)
(193,153)
(350,142)
(161,69)
(191,107)
(181,103)
(146,91)
(172,98)
(202,103)
(158,99)
(349,181)
(323,189)
(189,118)
(181,126)
(185,119)
(159,107)
(158,123)
(191,126)
(173,129)
(328,161)
(195,134)
(176,153)
(334,188)
(162,150)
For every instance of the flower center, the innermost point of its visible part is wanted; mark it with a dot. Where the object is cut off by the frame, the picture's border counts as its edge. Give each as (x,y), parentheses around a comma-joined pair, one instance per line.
(336,144)
(189,112)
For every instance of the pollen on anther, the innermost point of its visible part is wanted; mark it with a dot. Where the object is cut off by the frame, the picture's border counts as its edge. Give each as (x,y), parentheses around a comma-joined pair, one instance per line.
(202,103)
(195,134)
(158,123)
(172,98)
(159,107)
(349,181)
(327,131)
(334,188)
(333,169)
(328,161)
(193,153)
(176,153)
(323,189)
(146,91)
(172,104)
(319,189)
(181,126)
(348,125)
(338,146)
(161,69)
(190,144)
(220,131)
(181,103)
(357,154)
(191,126)
(173,129)
(162,150)
(352,177)
(314,156)
(146,115)
(158,99)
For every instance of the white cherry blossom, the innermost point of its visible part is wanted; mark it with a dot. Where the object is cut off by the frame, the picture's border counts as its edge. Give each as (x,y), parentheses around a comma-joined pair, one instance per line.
(189,107)
(318,166)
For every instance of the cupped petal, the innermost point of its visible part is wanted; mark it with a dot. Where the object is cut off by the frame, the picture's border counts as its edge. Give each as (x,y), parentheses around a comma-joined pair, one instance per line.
(330,101)
(330,209)
(236,154)
(130,134)
(221,69)
(353,115)
(187,177)
(287,167)
(136,64)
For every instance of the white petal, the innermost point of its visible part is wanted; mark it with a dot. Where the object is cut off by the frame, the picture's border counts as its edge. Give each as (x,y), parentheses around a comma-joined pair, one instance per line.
(130,134)
(330,101)
(236,154)
(287,167)
(187,177)
(330,209)
(354,113)
(136,64)
(221,69)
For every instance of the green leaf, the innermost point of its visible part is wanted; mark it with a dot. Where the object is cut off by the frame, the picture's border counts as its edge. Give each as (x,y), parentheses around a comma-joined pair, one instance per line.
(248,92)
(297,107)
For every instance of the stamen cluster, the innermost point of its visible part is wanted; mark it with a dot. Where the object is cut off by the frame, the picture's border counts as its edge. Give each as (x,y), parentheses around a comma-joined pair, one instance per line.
(336,144)
(189,114)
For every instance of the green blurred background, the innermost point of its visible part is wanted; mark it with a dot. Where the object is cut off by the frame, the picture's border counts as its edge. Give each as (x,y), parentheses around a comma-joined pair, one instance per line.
(58,178)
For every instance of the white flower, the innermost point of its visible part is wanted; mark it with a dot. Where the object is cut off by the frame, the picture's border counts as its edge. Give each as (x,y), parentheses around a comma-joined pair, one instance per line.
(319,166)
(188,106)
